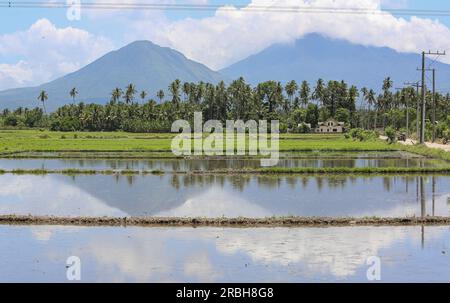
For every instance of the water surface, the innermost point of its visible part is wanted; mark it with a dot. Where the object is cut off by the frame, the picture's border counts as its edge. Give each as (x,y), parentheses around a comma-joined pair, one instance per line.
(290,160)
(407,254)
(224,195)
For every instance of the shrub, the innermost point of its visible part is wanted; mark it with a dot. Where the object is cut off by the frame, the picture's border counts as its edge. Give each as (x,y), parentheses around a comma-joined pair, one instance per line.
(446,136)
(11,120)
(65,124)
(391,134)
(361,134)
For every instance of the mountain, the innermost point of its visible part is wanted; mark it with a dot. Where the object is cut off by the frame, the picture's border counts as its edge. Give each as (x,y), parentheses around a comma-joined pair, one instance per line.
(146,65)
(315,56)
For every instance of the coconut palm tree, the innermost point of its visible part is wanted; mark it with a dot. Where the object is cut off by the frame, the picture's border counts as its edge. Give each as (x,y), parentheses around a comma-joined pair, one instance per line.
(291,88)
(371,100)
(319,91)
(304,93)
(365,92)
(143,95)
(116,94)
(73,93)
(129,93)
(186,90)
(160,95)
(174,89)
(43,97)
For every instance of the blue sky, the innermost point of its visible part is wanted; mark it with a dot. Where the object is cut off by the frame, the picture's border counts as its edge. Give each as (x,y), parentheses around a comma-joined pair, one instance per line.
(38,45)
(20,19)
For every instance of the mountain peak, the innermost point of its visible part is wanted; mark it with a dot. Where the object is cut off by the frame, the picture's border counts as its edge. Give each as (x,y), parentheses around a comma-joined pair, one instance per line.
(316,56)
(145,64)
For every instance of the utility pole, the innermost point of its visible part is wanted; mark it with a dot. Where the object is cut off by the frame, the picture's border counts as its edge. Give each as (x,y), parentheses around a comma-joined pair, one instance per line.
(424,90)
(405,95)
(433,119)
(433,116)
(416,85)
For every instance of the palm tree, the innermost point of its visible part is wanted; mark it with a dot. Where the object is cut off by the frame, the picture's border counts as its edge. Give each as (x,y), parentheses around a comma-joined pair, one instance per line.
(73,93)
(319,91)
(174,89)
(372,100)
(143,95)
(304,93)
(160,95)
(386,101)
(129,93)
(365,92)
(116,94)
(186,90)
(291,89)
(43,97)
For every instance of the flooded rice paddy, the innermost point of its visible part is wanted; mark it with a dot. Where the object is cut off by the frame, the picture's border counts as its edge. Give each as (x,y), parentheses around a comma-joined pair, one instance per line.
(407,254)
(207,254)
(224,195)
(291,160)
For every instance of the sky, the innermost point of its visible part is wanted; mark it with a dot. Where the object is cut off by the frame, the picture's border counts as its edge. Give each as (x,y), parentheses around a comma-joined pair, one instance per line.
(40,44)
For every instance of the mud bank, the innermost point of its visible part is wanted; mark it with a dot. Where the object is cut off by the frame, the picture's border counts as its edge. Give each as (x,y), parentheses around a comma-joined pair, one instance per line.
(222,222)
(262,171)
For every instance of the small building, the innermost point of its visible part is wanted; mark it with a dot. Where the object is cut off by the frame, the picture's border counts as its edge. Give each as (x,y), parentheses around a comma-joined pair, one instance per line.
(330,126)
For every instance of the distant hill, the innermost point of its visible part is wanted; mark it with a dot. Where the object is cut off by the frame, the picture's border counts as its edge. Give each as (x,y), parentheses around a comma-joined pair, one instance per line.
(146,65)
(151,67)
(315,56)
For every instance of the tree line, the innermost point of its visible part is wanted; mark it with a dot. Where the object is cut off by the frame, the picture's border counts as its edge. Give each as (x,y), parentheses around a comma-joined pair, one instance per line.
(298,106)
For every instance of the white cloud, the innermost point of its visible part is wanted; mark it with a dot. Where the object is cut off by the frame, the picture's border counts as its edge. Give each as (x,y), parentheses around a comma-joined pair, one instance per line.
(225,204)
(15,74)
(229,35)
(233,34)
(47,52)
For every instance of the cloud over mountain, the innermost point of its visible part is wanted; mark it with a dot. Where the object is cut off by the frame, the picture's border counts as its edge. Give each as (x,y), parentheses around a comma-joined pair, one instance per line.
(45,52)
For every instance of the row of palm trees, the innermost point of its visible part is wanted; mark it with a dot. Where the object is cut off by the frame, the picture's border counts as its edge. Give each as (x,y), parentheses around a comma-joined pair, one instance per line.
(242,101)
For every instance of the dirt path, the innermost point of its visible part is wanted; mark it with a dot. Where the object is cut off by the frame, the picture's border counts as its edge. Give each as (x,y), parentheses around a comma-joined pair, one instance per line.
(445,147)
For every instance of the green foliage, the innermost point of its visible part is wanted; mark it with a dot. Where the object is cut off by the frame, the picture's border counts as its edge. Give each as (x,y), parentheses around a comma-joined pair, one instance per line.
(391,134)
(65,124)
(324,114)
(11,120)
(343,115)
(301,128)
(361,134)
(292,104)
(312,115)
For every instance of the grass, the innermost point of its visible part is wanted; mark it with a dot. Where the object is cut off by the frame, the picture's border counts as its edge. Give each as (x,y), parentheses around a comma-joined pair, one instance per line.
(13,141)
(425,151)
(73,171)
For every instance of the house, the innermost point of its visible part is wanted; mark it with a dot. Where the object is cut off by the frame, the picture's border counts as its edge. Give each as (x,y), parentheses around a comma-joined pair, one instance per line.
(330,126)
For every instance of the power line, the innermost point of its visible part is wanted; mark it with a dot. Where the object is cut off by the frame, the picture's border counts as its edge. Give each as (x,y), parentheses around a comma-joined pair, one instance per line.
(225,7)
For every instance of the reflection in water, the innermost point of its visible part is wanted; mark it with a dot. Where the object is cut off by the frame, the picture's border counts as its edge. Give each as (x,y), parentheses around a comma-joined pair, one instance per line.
(224,254)
(290,161)
(224,195)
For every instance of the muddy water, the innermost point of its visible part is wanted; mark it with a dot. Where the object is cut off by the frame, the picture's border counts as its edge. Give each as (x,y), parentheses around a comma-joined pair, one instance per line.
(386,159)
(407,254)
(230,196)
